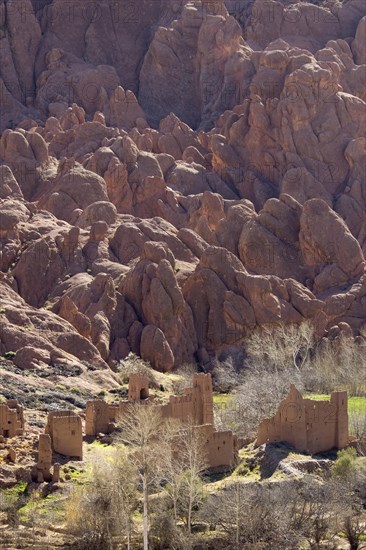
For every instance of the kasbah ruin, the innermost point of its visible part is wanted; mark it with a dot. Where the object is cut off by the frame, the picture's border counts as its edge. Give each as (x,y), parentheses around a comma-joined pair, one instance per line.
(304,424)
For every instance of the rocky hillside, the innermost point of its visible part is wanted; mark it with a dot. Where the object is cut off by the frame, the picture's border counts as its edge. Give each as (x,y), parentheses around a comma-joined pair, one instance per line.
(175,173)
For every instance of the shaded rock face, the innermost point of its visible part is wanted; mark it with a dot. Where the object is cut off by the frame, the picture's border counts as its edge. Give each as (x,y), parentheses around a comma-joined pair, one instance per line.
(175,173)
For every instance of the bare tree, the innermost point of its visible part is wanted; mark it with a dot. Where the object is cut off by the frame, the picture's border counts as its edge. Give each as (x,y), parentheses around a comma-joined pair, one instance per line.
(336,363)
(134,364)
(101,510)
(357,424)
(184,377)
(143,430)
(229,510)
(318,508)
(257,397)
(252,516)
(188,460)
(124,476)
(280,346)
(165,532)
(353,529)
(225,377)
(349,487)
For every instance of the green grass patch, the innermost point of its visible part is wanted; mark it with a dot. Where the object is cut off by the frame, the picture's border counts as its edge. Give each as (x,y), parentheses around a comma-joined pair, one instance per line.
(42,506)
(79,477)
(16,490)
(246,470)
(357,405)
(222,399)
(98,444)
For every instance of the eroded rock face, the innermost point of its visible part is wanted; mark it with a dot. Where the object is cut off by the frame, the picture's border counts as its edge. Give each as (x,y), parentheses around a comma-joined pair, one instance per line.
(47,340)
(176,173)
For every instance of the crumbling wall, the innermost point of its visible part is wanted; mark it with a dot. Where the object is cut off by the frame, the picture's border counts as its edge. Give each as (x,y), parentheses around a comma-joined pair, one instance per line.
(308,425)
(65,430)
(327,423)
(196,406)
(96,417)
(219,447)
(138,387)
(42,470)
(113,415)
(100,417)
(180,407)
(196,403)
(44,452)
(11,418)
(202,399)
(222,451)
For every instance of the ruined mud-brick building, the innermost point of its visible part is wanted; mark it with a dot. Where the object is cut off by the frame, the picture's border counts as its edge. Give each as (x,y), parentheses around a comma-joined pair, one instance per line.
(100,417)
(66,432)
(138,387)
(194,407)
(220,447)
(308,425)
(11,418)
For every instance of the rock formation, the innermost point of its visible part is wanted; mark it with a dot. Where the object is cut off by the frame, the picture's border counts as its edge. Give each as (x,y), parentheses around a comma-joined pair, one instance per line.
(174,174)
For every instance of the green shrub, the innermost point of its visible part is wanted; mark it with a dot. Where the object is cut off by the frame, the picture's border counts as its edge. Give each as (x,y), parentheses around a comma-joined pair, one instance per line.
(345,463)
(134,364)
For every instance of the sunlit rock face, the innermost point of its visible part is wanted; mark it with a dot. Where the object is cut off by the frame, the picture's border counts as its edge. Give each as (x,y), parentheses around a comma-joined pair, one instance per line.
(174,174)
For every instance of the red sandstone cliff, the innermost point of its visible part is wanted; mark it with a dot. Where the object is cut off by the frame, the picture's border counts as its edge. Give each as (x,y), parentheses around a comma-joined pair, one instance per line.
(175,174)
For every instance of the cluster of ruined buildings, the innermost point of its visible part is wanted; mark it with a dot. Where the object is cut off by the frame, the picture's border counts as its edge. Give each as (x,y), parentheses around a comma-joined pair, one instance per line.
(194,406)
(63,435)
(305,424)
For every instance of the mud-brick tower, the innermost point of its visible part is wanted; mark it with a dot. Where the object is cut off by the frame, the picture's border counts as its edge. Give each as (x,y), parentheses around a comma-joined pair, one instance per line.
(202,399)
(138,387)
